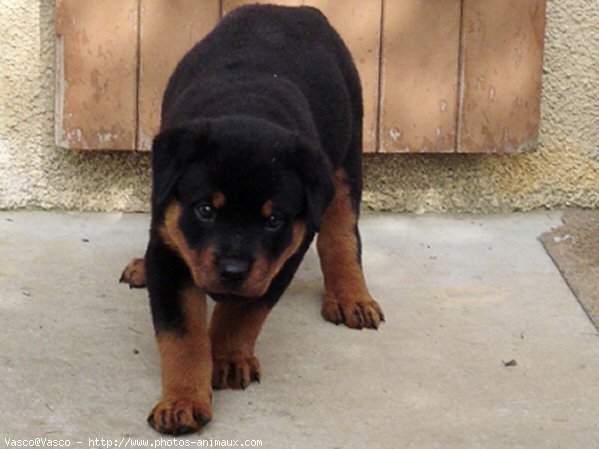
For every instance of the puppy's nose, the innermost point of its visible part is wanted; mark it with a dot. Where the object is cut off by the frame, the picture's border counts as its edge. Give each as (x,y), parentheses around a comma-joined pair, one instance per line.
(233,270)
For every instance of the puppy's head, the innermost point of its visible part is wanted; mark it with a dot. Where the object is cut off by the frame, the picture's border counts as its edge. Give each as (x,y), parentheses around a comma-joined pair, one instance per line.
(235,198)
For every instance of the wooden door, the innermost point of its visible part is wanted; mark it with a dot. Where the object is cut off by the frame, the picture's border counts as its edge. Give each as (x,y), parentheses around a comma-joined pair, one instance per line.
(437,75)
(96,73)
(167,31)
(502,58)
(420,53)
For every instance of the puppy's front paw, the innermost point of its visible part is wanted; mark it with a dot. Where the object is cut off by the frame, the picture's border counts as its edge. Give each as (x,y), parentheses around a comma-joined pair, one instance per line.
(356,313)
(177,416)
(234,371)
(134,274)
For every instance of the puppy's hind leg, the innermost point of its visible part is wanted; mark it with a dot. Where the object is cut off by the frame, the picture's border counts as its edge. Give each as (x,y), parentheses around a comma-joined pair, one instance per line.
(346,299)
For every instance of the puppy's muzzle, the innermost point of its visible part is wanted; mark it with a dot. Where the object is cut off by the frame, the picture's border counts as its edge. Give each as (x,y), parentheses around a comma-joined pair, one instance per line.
(232,271)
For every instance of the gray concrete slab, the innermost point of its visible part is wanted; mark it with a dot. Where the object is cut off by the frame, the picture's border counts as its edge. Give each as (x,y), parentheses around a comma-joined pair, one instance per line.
(461,296)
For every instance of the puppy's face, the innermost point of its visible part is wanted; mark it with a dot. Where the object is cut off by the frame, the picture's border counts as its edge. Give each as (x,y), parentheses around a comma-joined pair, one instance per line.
(238,210)
(235,230)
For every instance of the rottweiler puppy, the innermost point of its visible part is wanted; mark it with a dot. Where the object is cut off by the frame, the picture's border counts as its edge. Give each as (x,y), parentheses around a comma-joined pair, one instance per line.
(259,149)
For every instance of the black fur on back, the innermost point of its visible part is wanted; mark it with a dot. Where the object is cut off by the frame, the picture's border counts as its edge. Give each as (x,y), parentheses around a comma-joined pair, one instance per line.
(272,75)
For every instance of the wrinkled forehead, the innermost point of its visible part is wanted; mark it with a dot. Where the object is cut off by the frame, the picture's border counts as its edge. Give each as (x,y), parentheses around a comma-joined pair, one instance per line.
(242,183)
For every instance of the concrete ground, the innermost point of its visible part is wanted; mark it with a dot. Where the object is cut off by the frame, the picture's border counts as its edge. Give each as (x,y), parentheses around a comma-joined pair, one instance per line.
(462,297)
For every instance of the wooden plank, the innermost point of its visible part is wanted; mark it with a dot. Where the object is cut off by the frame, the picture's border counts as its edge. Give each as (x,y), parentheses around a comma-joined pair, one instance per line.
(96,93)
(501,71)
(358,23)
(419,75)
(167,31)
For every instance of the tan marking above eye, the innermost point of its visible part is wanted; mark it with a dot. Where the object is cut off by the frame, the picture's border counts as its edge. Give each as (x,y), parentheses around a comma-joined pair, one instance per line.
(263,271)
(218,200)
(267,209)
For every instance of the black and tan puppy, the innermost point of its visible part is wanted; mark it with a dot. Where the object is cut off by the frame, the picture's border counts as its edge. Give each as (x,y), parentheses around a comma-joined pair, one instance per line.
(259,148)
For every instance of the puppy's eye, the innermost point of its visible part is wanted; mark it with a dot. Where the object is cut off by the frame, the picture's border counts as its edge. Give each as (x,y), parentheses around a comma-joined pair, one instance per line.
(205,212)
(274,222)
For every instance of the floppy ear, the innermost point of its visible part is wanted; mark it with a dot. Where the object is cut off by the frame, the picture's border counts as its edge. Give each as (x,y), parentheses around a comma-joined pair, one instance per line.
(172,151)
(316,174)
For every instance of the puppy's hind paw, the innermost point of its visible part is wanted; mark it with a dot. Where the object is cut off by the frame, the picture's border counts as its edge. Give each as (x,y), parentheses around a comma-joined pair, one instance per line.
(134,274)
(356,313)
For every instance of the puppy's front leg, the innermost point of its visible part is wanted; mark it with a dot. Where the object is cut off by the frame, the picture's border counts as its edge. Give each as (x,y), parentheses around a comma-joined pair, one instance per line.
(185,360)
(233,330)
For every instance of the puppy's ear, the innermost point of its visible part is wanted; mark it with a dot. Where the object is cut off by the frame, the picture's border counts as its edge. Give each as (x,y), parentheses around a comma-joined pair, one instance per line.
(316,174)
(172,151)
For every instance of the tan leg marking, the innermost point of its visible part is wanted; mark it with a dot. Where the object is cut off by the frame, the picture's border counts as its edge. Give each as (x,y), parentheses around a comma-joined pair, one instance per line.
(134,274)
(186,367)
(233,331)
(346,299)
